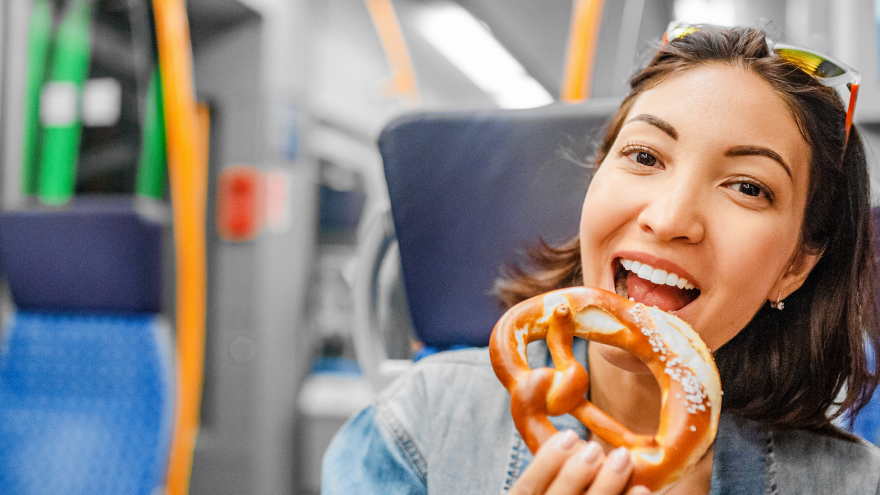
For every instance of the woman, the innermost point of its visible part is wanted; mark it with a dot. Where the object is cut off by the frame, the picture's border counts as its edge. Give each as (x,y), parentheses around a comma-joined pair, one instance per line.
(734,168)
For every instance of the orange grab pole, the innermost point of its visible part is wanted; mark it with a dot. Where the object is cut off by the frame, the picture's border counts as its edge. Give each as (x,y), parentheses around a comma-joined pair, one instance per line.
(403,82)
(186,168)
(582,40)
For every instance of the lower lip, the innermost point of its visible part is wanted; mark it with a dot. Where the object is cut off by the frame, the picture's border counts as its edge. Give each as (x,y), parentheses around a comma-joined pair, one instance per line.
(684,312)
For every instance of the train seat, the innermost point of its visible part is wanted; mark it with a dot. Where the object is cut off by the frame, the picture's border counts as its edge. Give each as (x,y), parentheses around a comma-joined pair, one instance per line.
(86,374)
(467,191)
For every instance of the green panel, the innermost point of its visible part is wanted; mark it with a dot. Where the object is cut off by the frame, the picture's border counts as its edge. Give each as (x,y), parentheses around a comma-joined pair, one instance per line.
(39,40)
(70,64)
(152,166)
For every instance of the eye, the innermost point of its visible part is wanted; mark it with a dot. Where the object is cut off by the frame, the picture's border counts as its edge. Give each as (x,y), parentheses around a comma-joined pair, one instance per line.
(643,158)
(749,189)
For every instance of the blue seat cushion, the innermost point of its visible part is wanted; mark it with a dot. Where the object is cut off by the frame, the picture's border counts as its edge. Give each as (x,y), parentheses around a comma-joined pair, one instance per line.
(85,404)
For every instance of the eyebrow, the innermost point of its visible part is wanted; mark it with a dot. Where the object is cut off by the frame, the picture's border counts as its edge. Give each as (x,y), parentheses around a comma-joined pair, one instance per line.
(742,150)
(747,150)
(656,122)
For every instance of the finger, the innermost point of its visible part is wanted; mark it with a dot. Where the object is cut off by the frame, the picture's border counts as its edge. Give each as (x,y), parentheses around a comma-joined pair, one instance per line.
(578,470)
(614,473)
(549,459)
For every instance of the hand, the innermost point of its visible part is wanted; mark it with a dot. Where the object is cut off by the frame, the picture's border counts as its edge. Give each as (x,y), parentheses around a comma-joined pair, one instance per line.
(566,464)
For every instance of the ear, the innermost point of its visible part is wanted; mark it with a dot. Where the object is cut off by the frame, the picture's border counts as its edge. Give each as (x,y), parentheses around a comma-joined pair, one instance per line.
(794,277)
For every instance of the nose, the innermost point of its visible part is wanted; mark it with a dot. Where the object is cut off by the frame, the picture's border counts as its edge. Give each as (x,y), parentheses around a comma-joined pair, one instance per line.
(674,211)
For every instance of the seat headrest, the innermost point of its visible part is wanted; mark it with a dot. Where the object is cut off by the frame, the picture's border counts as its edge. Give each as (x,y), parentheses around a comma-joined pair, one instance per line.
(469,191)
(94,255)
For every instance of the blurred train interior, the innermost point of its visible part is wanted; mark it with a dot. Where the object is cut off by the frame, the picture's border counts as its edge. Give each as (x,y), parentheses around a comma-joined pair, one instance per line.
(200,277)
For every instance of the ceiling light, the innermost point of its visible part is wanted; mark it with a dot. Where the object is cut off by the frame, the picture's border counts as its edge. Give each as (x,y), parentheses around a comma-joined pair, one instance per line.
(469,45)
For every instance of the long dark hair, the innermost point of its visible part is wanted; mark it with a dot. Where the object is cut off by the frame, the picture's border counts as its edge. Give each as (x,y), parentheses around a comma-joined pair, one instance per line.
(806,365)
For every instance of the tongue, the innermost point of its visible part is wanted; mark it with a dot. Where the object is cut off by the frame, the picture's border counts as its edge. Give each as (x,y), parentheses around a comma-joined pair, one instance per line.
(666,297)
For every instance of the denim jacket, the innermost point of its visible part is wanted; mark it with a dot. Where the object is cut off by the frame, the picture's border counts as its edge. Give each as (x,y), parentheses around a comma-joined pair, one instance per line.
(446,428)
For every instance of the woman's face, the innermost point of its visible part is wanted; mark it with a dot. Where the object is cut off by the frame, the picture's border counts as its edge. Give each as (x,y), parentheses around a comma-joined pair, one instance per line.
(708,181)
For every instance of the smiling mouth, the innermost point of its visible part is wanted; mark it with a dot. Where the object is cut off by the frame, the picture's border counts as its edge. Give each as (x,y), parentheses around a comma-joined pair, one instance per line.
(653,287)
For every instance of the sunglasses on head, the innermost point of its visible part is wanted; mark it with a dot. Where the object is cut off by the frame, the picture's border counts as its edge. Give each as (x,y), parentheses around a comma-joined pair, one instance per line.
(828,71)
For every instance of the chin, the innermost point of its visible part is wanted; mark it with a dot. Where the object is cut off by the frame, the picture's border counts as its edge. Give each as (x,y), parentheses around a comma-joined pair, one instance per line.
(622,359)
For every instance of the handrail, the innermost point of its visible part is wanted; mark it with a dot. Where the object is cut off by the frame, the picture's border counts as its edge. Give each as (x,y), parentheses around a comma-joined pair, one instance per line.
(403,78)
(375,242)
(583,39)
(187,169)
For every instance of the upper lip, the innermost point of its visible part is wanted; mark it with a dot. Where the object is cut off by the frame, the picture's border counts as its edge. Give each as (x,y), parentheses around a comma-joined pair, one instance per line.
(658,263)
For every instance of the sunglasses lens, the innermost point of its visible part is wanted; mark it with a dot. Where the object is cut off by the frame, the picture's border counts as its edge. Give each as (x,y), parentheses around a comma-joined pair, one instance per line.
(829,69)
(811,63)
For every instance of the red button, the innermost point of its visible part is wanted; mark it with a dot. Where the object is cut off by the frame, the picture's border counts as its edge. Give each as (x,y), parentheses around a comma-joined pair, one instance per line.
(239,203)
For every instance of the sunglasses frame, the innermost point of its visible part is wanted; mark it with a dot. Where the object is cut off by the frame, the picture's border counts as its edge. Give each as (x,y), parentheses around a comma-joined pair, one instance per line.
(850,79)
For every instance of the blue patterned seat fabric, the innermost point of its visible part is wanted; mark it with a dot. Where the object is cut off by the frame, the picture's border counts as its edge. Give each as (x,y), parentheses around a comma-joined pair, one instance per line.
(86,375)
(86,404)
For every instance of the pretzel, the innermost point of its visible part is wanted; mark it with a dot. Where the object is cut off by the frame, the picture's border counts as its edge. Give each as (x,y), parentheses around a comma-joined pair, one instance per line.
(675,354)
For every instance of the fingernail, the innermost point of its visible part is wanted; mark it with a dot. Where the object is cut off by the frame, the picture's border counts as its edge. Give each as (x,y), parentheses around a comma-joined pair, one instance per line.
(566,440)
(591,453)
(640,490)
(619,459)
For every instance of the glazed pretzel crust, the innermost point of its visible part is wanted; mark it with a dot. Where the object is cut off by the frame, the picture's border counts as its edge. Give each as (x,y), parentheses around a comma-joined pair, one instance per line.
(677,357)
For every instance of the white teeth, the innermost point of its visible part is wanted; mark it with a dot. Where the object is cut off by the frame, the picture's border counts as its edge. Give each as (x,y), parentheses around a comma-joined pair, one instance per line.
(659,277)
(655,275)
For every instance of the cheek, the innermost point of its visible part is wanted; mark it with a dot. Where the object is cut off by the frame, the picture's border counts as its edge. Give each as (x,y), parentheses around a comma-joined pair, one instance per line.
(603,217)
(752,257)
(749,263)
